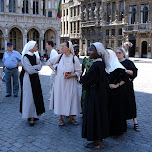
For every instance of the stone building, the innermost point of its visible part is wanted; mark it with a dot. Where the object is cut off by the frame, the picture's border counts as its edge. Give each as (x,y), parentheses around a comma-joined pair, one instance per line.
(71,21)
(24,20)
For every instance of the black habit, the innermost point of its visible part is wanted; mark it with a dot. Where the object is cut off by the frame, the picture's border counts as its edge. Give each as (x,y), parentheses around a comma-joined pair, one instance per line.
(131,105)
(117,102)
(95,119)
(36,87)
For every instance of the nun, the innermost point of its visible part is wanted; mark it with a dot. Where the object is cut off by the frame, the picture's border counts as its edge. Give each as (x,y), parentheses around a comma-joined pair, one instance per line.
(95,126)
(131,70)
(65,98)
(118,95)
(31,105)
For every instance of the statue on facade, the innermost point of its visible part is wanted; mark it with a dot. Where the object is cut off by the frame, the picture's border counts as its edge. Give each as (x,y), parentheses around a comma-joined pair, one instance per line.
(85,14)
(96,13)
(101,12)
(90,13)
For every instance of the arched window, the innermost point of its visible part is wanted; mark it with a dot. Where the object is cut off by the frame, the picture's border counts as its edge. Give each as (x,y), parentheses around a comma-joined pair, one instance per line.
(13,38)
(12,5)
(132,14)
(2,5)
(144,13)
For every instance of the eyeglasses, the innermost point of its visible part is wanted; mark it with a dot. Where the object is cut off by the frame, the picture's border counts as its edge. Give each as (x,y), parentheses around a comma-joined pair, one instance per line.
(118,52)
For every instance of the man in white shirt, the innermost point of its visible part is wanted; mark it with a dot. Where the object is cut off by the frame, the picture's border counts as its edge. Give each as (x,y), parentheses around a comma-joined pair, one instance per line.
(53,53)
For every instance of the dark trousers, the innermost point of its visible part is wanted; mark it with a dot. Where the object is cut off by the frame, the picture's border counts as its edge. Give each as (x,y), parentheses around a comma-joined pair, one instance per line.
(11,74)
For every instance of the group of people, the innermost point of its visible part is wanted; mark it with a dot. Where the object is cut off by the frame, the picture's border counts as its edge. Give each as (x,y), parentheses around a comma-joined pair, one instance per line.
(107,100)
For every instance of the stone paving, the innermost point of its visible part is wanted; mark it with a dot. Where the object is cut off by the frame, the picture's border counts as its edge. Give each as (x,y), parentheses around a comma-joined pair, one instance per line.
(46,136)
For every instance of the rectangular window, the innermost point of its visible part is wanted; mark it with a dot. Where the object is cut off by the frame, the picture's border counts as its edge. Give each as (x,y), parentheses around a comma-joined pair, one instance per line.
(74,27)
(113,32)
(78,10)
(78,27)
(113,11)
(121,10)
(10,6)
(27,6)
(67,12)
(64,27)
(37,8)
(71,12)
(50,14)
(107,32)
(23,7)
(2,5)
(108,12)
(144,13)
(74,11)
(67,27)
(132,14)
(120,32)
(33,7)
(14,6)
(71,28)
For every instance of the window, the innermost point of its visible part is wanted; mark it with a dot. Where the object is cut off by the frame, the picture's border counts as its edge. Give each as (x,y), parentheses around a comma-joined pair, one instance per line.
(78,10)
(120,32)
(71,11)
(78,27)
(13,38)
(144,13)
(2,5)
(113,11)
(74,11)
(67,27)
(35,7)
(119,43)
(25,6)
(63,12)
(12,6)
(50,14)
(121,11)
(44,11)
(113,32)
(74,27)
(107,32)
(108,12)
(71,28)
(64,27)
(67,12)
(132,14)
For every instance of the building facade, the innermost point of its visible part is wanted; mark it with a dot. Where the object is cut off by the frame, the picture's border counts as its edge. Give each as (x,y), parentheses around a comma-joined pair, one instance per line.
(24,20)
(71,22)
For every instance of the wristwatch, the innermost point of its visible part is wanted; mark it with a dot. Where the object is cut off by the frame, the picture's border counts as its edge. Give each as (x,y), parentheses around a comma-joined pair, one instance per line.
(118,84)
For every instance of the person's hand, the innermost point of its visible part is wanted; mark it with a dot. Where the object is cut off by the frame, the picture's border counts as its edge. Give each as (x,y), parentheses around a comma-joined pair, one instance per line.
(3,70)
(68,76)
(113,86)
(37,63)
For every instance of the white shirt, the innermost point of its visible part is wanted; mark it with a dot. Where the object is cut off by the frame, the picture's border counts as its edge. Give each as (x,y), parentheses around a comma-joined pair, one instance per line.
(53,54)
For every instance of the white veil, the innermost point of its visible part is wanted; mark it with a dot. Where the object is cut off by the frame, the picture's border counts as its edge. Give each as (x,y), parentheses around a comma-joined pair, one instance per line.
(123,51)
(71,47)
(114,62)
(28,46)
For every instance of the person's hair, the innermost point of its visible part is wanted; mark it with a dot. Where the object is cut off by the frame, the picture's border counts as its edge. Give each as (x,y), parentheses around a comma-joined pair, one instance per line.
(67,43)
(50,43)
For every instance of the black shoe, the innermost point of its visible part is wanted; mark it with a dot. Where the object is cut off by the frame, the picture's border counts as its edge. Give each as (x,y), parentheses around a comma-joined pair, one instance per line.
(15,95)
(31,123)
(92,145)
(8,95)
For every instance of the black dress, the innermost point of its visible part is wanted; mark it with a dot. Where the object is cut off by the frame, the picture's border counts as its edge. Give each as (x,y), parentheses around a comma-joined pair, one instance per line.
(36,87)
(131,105)
(95,119)
(117,102)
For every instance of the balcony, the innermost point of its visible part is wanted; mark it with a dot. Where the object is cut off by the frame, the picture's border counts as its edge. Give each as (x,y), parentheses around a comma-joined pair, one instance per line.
(138,27)
(88,24)
(75,35)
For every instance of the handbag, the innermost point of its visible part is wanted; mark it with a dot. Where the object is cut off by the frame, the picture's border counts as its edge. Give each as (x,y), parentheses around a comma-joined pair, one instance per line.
(3,77)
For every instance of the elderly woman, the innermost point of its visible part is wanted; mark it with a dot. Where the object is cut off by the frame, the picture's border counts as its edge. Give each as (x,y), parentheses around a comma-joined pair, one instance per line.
(31,94)
(131,70)
(65,96)
(118,80)
(95,125)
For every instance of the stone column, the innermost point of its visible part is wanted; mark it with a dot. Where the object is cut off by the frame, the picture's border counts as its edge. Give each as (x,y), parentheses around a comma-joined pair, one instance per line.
(41,39)
(24,37)
(58,39)
(80,47)
(5,43)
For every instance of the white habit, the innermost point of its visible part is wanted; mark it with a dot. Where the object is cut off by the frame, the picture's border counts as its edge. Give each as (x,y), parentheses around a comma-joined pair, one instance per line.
(28,106)
(65,99)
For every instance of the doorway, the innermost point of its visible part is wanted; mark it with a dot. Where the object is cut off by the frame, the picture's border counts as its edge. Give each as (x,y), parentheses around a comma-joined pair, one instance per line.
(144,49)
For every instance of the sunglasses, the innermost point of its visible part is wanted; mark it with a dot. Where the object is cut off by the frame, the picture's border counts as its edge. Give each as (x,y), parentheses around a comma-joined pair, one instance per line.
(118,52)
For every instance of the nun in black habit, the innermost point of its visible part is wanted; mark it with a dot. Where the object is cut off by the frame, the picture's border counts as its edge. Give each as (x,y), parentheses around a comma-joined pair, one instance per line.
(95,125)
(131,70)
(118,96)
(32,104)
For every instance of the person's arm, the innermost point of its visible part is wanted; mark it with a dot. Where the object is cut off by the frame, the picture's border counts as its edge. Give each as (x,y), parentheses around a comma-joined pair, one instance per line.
(3,67)
(52,67)
(130,72)
(114,86)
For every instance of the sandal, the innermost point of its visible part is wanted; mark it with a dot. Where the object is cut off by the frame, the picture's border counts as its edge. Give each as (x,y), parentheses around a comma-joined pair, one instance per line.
(61,122)
(136,127)
(73,121)
(92,145)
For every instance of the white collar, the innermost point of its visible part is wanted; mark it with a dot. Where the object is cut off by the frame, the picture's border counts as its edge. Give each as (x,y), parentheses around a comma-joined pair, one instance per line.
(98,59)
(122,60)
(30,53)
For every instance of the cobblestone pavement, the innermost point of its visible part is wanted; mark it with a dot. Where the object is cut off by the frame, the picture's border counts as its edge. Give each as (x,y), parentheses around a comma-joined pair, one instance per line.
(16,135)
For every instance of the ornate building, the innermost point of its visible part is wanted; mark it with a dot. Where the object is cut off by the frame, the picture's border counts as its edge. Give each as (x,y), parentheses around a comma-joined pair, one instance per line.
(24,20)
(71,21)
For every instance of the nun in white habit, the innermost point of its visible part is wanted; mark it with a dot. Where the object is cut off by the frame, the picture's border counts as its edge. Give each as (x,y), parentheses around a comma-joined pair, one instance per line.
(65,96)
(31,94)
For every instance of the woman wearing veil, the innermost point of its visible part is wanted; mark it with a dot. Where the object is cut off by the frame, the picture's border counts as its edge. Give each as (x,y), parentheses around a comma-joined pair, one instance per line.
(32,104)
(95,125)
(118,96)
(65,96)
(131,70)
